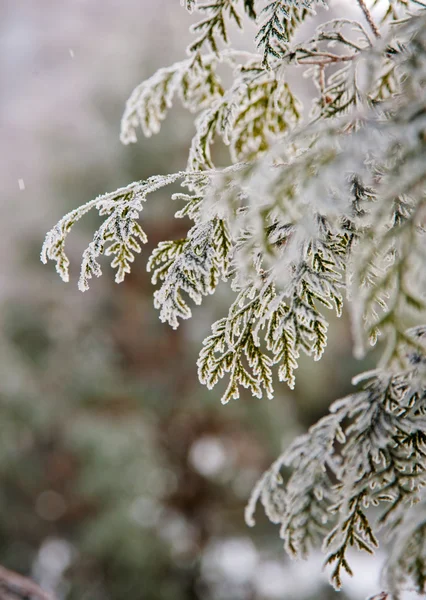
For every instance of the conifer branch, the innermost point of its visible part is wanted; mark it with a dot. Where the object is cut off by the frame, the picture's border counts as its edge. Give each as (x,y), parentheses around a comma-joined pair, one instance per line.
(311,212)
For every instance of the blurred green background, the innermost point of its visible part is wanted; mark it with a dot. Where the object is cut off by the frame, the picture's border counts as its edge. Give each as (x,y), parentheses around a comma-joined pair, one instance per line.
(121,477)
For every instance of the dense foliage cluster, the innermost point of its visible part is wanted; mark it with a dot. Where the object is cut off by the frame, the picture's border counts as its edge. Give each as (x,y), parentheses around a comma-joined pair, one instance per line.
(318,205)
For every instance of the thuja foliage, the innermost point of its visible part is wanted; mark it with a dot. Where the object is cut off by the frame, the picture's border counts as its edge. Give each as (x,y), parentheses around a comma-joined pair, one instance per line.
(318,207)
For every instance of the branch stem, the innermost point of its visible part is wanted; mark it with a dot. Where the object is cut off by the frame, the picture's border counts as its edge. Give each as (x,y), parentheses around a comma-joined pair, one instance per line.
(369,18)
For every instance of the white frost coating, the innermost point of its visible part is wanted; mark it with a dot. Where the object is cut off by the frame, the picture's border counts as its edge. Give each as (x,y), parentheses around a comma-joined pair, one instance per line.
(196,84)
(120,231)
(310,214)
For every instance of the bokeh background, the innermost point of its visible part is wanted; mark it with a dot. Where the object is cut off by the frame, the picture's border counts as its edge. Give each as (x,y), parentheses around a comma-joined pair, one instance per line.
(121,477)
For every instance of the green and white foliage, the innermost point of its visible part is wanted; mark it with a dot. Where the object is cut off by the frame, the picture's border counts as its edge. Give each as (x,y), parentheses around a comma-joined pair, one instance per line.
(193,265)
(394,10)
(269,326)
(213,27)
(196,83)
(406,563)
(318,206)
(257,110)
(369,451)
(280,20)
(119,235)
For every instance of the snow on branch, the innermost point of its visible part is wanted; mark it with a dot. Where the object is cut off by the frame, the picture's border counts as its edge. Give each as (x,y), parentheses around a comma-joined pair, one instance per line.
(119,235)
(280,20)
(316,209)
(370,450)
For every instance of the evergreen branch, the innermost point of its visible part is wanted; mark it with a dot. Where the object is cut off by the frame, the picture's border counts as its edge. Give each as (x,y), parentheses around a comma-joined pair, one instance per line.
(233,339)
(372,444)
(314,209)
(250,117)
(406,565)
(270,111)
(369,18)
(120,230)
(384,291)
(193,265)
(288,328)
(354,531)
(214,25)
(281,20)
(196,83)
(301,507)
(396,9)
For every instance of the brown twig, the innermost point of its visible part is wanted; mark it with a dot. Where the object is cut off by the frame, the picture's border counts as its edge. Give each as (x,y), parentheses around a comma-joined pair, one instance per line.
(323,59)
(18,587)
(369,18)
(322,80)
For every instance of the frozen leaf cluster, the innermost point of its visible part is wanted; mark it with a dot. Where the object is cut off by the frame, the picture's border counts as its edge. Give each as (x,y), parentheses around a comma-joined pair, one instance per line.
(119,236)
(369,451)
(280,20)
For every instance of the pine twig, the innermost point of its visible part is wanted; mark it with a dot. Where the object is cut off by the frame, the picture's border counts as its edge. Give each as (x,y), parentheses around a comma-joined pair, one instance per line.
(17,587)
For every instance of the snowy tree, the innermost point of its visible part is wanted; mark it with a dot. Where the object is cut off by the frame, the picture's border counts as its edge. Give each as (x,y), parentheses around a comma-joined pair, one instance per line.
(319,208)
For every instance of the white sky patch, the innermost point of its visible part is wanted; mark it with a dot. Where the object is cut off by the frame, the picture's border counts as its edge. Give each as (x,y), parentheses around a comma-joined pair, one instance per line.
(71,51)
(21,184)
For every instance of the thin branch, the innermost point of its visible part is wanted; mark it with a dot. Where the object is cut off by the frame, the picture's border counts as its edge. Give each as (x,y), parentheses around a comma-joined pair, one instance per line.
(323,60)
(369,18)
(14,586)
(322,80)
